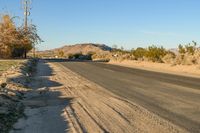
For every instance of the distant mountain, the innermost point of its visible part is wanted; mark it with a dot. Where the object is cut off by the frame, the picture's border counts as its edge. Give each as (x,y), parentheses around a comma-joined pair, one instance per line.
(84,49)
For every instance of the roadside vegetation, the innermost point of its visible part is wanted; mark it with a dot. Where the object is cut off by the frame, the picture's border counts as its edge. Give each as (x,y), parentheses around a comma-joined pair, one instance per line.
(15,75)
(80,56)
(14,84)
(7,64)
(185,54)
(16,42)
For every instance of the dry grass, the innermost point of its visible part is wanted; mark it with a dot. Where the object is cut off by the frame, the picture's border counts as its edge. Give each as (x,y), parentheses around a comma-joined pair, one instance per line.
(6,64)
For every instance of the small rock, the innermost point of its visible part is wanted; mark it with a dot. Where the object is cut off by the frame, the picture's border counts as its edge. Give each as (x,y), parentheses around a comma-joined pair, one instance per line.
(3,85)
(27,74)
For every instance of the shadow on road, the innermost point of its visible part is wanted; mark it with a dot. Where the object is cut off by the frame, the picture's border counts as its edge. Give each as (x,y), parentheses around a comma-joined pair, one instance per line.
(75,60)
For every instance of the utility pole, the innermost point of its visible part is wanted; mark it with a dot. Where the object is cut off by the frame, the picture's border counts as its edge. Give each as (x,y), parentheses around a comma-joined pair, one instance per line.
(27,7)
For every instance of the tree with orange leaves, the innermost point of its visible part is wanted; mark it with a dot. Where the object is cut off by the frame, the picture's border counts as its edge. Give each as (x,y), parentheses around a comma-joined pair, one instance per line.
(15,41)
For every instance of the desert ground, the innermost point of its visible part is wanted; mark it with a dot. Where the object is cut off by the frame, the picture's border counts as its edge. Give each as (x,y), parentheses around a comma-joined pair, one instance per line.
(184,70)
(64,101)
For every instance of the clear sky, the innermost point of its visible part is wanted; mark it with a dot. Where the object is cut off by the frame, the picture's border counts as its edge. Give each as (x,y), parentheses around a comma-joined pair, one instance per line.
(127,23)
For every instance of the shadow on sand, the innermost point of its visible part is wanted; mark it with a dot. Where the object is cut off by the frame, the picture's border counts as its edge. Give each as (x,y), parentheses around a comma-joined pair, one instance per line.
(45,104)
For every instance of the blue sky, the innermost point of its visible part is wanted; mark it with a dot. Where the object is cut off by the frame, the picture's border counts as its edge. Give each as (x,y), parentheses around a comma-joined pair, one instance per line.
(127,23)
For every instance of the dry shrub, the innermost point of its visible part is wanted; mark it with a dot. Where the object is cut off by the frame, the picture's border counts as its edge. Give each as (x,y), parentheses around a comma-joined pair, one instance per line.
(169,58)
(179,59)
(188,59)
(126,57)
(185,59)
(189,54)
(197,56)
(132,57)
(101,56)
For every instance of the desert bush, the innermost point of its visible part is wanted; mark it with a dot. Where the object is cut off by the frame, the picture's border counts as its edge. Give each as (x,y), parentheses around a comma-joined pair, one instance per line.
(188,48)
(188,54)
(80,56)
(169,58)
(70,56)
(90,55)
(185,59)
(152,53)
(197,56)
(101,56)
(77,55)
(132,57)
(188,59)
(61,53)
(179,59)
(181,49)
(139,53)
(155,53)
(126,57)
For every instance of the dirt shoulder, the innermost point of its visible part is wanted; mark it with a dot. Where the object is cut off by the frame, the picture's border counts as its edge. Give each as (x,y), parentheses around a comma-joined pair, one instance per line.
(183,70)
(44,105)
(13,86)
(63,101)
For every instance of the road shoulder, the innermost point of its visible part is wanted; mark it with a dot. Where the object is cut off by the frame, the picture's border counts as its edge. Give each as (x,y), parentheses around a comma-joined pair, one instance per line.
(181,70)
(45,105)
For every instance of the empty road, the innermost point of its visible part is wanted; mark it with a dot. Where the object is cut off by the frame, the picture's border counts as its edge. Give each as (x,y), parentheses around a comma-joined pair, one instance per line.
(175,98)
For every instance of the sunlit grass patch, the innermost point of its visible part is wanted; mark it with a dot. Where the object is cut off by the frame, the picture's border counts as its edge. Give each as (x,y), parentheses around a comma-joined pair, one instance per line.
(6,64)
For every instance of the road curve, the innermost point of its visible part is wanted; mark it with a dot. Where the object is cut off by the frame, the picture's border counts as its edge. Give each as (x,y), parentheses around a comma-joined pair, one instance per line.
(175,98)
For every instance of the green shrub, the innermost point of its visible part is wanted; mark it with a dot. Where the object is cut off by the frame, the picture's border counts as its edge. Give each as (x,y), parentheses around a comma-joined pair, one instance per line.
(188,54)
(70,56)
(181,49)
(78,55)
(155,53)
(139,53)
(188,48)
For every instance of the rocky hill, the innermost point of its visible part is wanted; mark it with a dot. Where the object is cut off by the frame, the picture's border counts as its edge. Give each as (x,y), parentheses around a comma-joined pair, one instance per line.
(84,49)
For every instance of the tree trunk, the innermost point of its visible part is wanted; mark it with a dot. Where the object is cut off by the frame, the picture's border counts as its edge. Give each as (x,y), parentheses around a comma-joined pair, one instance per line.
(25,54)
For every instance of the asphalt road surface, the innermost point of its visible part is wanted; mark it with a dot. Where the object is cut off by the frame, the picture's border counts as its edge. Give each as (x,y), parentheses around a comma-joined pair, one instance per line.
(175,98)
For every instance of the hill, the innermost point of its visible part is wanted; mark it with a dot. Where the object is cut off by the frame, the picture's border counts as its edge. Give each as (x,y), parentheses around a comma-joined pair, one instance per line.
(85,49)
